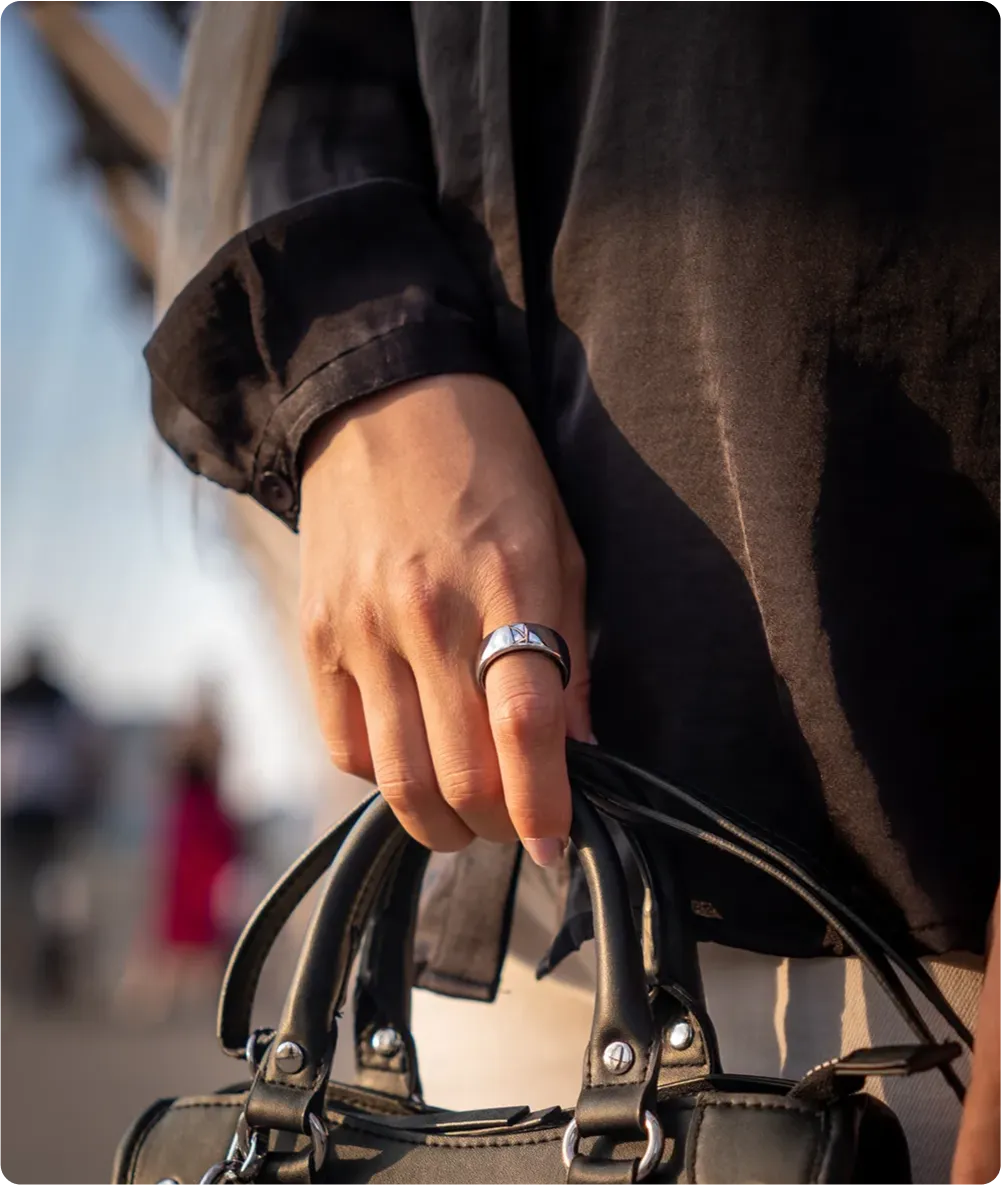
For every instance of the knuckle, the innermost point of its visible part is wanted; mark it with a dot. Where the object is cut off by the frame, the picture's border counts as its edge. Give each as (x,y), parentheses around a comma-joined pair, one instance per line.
(465,786)
(401,788)
(422,603)
(520,558)
(362,620)
(348,759)
(316,629)
(526,716)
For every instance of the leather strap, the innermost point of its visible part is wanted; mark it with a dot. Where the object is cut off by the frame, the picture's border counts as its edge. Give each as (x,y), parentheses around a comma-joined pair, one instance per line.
(609,1101)
(239,986)
(385,979)
(875,952)
(364,864)
(385,982)
(283,1100)
(672,968)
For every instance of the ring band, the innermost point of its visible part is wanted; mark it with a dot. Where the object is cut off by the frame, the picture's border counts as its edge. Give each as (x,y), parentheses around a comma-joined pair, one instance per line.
(523,635)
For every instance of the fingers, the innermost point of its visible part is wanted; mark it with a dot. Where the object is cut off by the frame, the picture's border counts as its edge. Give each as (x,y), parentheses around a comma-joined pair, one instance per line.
(462,749)
(398,703)
(342,722)
(528,722)
(404,772)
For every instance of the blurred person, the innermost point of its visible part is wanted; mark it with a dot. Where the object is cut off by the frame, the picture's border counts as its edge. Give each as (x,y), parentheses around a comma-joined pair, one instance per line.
(673,328)
(197,850)
(46,757)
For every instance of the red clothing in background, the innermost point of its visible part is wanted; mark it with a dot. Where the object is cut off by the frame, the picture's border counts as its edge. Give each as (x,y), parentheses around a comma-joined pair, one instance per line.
(200,842)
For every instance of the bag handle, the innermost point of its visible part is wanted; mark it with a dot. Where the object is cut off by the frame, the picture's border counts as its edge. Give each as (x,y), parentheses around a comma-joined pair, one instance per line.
(382,999)
(289,1085)
(876,953)
(595,767)
(239,985)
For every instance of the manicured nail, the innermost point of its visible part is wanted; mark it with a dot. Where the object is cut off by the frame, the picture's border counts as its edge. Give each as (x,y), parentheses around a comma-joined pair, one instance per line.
(545,852)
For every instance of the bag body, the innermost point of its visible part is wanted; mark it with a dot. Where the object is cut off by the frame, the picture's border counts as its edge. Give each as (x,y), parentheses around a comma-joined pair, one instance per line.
(655,1103)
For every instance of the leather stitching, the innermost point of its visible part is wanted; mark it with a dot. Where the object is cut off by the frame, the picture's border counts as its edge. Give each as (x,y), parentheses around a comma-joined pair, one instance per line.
(141,1140)
(695,1128)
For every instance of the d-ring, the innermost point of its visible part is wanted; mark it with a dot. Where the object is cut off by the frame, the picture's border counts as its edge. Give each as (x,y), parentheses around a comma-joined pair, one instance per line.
(523,635)
(650,1158)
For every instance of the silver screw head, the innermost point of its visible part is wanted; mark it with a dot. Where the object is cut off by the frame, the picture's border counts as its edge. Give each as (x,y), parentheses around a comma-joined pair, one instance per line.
(681,1035)
(618,1057)
(289,1057)
(386,1042)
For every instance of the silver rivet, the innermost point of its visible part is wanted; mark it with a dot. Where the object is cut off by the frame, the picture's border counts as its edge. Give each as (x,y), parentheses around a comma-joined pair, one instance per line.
(681,1035)
(289,1057)
(386,1042)
(618,1057)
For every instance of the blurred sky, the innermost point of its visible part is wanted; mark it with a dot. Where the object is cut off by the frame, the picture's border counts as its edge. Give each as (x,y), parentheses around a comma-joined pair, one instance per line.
(107,551)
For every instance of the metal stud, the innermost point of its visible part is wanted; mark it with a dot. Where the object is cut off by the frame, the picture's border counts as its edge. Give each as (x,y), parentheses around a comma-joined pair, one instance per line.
(386,1042)
(681,1035)
(289,1057)
(618,1057)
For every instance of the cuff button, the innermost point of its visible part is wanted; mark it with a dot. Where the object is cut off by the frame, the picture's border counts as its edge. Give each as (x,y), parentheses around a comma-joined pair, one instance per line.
(275,492)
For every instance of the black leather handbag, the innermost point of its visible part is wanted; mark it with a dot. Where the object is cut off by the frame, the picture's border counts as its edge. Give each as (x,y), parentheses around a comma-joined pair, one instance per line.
(654,1103)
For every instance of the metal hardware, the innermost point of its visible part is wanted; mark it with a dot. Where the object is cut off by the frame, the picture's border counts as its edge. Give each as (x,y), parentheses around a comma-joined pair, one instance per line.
(257,1044)
(618,1057)
(243,1157)
(651,1155)
(318,1134)
(681,1035)
(289,1057)
(240,1143)
(248,1149)
(216,1173)
(386,1042)
(169,1181)
(252,1162)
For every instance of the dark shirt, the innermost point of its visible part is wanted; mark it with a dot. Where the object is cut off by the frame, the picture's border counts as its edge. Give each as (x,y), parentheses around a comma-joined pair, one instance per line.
(740,265)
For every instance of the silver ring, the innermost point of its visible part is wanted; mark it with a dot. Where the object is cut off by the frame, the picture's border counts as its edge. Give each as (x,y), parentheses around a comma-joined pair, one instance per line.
(523,635)
(651,1155)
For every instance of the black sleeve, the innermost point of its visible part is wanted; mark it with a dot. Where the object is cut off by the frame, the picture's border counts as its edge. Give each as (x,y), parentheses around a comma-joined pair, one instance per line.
(346,286)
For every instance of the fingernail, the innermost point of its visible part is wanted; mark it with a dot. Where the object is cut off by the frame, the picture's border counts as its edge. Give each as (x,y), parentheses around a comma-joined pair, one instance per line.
(592,739)
(545,852)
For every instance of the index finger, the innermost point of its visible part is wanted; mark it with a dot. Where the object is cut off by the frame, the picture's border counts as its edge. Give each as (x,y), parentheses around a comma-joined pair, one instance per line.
(528,722)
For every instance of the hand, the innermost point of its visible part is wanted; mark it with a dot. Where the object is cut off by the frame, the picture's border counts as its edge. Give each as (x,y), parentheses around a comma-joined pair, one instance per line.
(429,518)
(977,1149)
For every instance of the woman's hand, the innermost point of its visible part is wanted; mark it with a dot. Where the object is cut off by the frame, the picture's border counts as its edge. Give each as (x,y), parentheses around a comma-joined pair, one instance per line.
(978,1149)
(429,518)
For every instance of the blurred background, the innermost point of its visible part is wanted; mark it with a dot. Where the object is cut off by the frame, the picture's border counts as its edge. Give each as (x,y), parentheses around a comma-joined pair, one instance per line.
(160,764)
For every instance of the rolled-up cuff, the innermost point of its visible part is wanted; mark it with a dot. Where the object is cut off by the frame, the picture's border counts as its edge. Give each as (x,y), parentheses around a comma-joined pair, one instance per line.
(410,352)
(305,312)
